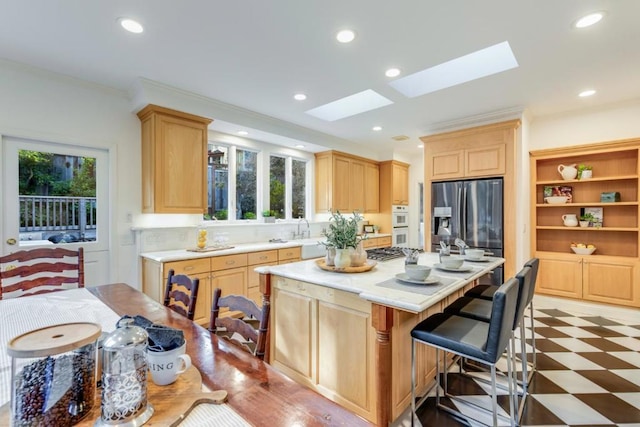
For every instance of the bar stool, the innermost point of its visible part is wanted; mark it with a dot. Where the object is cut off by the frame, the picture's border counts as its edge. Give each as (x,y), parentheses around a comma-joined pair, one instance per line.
(487,291)
(483,342)
(480,309)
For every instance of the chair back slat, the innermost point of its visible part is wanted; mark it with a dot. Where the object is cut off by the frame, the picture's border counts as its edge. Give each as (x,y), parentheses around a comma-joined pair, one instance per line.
(41,270)
(230,327)
(181,294)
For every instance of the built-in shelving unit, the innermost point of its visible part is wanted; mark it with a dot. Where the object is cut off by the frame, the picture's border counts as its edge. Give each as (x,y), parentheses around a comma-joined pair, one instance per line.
(611,274)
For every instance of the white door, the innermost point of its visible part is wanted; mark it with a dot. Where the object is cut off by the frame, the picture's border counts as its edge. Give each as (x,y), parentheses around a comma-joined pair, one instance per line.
(36,221)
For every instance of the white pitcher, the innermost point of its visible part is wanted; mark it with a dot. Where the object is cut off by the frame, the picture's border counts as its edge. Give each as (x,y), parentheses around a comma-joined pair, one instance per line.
(568,172)
(570,220)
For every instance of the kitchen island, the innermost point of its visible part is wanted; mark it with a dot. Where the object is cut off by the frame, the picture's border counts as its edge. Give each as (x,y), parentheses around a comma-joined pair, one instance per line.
(347,335)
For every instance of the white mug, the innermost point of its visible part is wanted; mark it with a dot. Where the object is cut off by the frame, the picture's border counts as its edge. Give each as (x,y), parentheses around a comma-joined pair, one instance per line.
(165,366)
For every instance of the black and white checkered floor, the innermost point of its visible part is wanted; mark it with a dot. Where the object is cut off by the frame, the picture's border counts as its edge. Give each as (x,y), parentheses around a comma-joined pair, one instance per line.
(588,371)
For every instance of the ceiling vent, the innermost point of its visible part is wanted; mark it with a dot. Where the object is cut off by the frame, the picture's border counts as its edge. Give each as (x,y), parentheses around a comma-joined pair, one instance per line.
(400,138)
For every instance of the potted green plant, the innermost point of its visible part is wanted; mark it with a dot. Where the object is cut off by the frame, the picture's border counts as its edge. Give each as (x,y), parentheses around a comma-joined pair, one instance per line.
(269,216)
(342,234)
(586,219)
(584,171)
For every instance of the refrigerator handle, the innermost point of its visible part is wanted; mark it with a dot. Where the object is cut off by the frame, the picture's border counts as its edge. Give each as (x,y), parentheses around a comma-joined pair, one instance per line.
(463,217)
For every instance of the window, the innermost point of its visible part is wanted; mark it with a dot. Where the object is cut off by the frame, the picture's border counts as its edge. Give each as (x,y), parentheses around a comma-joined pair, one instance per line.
(246,184)
(218,182)
(298,188)
(277,186)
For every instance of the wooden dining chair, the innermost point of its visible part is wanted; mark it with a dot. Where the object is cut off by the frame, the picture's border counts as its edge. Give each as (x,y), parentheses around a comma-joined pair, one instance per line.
(248,330)
(181,294)
(39,271)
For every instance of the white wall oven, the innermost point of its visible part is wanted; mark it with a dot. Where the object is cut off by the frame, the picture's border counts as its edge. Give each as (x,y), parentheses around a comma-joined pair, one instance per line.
(400,226)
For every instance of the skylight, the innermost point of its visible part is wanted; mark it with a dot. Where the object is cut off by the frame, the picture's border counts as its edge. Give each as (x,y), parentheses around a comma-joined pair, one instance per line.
(366,100)
(485,62)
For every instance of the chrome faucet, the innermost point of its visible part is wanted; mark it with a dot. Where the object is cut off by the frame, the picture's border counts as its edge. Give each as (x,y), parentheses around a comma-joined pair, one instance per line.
(301,234)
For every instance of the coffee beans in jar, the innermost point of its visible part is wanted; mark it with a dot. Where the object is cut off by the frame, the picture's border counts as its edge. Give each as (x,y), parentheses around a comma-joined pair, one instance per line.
(53,374)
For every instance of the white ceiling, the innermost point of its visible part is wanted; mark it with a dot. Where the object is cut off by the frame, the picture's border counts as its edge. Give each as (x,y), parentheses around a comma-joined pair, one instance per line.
(256,54)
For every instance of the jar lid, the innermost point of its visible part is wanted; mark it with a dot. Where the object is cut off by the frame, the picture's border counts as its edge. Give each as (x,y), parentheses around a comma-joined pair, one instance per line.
(53,340)
(127,334)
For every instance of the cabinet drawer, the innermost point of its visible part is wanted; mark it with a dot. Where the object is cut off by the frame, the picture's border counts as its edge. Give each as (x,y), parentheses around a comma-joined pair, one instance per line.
(383,242)
(262,257)
(289,253)
(370,243)
(188,266)
(228,261)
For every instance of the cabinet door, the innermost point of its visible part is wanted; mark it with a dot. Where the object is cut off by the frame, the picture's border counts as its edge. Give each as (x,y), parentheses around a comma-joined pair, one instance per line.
(348,379)
(204,300)
(289,255)
(356,186)
(371,188)
(232,281)
(446,165)
(561,277)
(485,161)
(253,282)
(612,281)
(292,334)
(400,185)
(341,184)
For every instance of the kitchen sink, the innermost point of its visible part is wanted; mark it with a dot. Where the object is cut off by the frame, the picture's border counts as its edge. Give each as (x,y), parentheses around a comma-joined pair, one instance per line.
(313,249)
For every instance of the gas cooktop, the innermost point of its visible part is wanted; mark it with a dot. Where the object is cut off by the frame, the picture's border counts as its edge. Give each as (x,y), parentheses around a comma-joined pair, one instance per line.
(385,254)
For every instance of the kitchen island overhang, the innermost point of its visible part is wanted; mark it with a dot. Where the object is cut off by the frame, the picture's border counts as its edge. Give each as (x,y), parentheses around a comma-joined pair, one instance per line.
(347,335)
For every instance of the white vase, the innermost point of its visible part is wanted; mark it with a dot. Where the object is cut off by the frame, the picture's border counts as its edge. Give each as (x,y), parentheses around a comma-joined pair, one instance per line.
(342,258)
(331,254)
(358,256)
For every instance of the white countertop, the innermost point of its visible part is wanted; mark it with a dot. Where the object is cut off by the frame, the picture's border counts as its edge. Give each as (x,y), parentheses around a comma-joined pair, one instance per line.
(182,254)
(368,284)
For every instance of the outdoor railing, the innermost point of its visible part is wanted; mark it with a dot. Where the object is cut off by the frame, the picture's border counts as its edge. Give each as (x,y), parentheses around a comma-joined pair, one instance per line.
(54,213)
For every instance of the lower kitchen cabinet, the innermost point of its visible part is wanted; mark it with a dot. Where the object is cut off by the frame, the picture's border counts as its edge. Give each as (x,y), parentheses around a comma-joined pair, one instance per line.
(258,259)
(376,242)
(607,279)
(306,346)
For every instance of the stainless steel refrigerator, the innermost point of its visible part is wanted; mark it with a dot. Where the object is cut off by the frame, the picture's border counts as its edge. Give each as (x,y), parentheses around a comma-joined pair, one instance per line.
(471,210)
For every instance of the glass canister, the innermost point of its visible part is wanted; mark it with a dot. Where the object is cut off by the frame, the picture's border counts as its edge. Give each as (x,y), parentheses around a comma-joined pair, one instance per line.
(124,377)
(53,374)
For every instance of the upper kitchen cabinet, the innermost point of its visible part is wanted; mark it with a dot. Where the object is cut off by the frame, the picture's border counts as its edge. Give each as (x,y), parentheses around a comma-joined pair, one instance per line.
(174,161)
(611,274)
(471,153)
(346,183)
(394,176)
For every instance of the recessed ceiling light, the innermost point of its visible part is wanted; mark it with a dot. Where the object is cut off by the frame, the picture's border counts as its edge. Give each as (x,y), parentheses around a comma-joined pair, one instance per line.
(377,128)
(299,146)
(421,146)
(586,93)
(243,132)
(589,20)
(299,96)
(131,25)
(345,36)
(392,72)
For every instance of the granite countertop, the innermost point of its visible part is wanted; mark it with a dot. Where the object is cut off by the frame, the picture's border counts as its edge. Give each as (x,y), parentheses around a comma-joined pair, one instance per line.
(182,254)
(379,285)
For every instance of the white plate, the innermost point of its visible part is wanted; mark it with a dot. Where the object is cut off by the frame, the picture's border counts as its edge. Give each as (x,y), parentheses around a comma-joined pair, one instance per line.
(461,269)
(428,281)
(483,259)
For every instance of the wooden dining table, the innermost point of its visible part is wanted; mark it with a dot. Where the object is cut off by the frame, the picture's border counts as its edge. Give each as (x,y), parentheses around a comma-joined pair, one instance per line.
(262,395)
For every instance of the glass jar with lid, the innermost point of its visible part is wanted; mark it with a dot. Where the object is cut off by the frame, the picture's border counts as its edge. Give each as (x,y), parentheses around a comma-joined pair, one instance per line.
(53,374)
(124,377)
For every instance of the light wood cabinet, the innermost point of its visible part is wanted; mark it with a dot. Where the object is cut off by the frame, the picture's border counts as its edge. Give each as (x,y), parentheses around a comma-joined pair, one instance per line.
(306,347)
(376,242)
(609,275)
(394,183)
(346,183)
(174,161)
(254,260)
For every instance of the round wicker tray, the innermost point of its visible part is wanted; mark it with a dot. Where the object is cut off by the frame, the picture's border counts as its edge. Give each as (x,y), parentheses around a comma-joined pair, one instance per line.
(361,269)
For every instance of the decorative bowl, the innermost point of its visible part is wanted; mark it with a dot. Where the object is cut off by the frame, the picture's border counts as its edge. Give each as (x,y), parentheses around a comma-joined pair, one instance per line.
(556,200)
(417,272)
(451,262)
(474,253)
(583,251)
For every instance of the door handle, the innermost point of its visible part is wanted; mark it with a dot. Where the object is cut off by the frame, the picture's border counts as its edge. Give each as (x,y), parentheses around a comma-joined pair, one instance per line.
(11,241)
